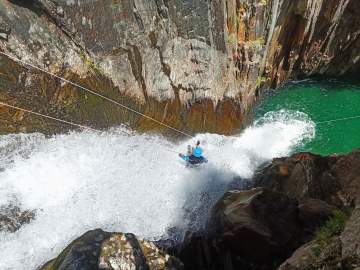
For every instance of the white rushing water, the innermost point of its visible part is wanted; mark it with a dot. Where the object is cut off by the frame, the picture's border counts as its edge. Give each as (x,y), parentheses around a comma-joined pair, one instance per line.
(128,183)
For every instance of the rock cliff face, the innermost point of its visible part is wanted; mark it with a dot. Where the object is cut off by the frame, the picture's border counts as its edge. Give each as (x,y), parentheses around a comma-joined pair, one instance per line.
(197,65)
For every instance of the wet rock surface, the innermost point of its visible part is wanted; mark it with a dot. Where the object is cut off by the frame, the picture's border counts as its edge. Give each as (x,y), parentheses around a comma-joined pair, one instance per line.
(113,251)
(12,218)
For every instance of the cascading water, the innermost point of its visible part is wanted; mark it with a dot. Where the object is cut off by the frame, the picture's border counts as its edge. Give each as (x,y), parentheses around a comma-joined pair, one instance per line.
(128,183)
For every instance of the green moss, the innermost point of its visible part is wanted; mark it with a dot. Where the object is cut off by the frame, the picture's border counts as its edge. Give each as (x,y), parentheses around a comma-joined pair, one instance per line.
(263,2)
(257,42)
(89,63)
(232,38)
(259,81)
(48,266)
(333,227)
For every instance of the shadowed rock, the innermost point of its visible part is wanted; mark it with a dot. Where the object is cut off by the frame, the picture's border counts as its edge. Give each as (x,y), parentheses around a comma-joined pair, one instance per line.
(308,258)
(254,228)
(251,223)
(334,179)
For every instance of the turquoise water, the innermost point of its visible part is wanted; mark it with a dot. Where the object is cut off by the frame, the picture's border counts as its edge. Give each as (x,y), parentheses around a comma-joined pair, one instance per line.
(321,101)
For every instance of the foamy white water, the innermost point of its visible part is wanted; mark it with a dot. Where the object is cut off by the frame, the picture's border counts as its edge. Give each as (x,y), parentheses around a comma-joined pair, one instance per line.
(128,183)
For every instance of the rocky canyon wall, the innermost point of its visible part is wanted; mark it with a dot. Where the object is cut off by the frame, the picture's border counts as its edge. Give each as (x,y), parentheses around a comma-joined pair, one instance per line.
(196,65)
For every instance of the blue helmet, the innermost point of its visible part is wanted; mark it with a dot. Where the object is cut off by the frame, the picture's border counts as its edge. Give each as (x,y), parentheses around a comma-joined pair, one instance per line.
(197,152)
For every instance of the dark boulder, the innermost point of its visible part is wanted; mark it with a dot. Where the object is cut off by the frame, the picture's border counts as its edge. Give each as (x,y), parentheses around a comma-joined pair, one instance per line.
(313,213)
(82,253)
(334,179)
(257,224)
(112,251)
(247,229)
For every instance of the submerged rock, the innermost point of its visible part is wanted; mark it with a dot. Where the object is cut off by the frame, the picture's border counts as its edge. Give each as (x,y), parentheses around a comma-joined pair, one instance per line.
(12,218)
(112,251)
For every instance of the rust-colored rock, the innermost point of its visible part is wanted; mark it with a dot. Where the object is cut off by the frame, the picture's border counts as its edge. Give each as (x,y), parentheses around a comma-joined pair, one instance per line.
(196,65)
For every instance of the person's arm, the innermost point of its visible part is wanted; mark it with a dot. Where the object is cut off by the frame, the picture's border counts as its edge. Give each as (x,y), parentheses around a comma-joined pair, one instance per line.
(184,157)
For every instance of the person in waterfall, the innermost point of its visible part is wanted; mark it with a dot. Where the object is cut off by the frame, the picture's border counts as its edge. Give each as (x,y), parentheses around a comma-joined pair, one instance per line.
(194,155)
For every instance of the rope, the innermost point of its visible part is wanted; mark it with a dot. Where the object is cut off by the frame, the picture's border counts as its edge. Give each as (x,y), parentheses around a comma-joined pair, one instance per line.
(46,116)
(64,121)
(97,94)
(339,119)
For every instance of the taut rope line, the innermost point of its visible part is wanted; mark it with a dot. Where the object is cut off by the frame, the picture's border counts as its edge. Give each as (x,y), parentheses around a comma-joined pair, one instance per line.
(46,116)
(64,121)
(340,119)
(97,94)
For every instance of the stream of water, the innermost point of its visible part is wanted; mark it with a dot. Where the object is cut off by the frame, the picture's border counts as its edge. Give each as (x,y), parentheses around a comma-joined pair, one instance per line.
(127,183)
(123,181)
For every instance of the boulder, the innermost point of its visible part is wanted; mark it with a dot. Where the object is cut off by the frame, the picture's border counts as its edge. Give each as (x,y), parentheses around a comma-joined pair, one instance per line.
(112,251)
(252,223)
(126,251)
(257,227)
(334,179)
(82,253)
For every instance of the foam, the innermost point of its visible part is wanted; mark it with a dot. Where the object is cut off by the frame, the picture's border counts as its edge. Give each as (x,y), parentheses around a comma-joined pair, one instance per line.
(128,183)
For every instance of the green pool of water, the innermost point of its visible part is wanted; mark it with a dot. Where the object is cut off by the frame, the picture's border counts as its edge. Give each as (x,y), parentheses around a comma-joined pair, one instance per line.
(321,101)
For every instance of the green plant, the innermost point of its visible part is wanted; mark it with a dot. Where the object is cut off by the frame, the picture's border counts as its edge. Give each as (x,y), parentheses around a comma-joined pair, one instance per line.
(332,227)
(260,80)
(231,38)
(89,63)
